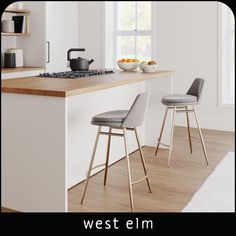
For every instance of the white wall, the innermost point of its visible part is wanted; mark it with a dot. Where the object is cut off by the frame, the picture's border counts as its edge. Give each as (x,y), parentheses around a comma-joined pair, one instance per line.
(185,40)
(90,18)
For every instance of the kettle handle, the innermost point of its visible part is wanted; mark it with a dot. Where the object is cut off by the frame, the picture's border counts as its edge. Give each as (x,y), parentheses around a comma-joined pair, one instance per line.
(73,50)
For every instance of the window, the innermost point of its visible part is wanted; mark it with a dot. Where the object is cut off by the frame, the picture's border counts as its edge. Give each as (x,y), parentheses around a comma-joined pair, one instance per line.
(132,30)
(226,56)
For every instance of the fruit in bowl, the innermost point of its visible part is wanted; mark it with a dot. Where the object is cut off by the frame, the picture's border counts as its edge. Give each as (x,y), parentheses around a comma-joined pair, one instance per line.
(142,64)
(149,66)
(128,64)
(152,63)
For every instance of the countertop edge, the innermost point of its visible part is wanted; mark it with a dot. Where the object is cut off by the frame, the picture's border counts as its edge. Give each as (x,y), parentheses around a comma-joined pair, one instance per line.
(112,85)
(34,92)
(78,91)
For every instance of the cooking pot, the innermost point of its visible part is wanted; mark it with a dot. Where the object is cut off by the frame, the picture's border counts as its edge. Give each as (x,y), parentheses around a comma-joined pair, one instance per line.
(78,63)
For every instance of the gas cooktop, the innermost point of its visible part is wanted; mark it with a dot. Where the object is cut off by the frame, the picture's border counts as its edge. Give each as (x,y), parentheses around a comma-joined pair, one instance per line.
(76,74)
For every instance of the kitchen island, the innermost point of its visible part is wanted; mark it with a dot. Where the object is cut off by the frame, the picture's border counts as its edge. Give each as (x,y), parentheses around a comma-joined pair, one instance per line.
(47,138)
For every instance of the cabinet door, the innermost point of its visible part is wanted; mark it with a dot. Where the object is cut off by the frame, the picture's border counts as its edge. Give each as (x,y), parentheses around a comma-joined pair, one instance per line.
(61,33)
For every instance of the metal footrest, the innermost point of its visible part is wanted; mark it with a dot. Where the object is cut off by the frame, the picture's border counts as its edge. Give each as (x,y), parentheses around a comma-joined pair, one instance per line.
(135,182)
(165,145)
(183,111)
(96,167)
(112,134)
(195,138)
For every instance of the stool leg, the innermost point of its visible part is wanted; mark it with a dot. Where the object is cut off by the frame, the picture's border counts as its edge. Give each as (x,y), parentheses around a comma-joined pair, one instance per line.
(142,158)
(91,163)
(162,128)
(107,156)
(201,137)
(189,134)
(171,136)
(129,174)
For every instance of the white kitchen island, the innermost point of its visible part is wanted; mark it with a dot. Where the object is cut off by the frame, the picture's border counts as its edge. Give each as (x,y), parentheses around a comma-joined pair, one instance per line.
(47,138)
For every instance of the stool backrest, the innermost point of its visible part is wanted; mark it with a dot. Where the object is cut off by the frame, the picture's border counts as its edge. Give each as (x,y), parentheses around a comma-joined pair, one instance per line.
(196,88)
(137,112)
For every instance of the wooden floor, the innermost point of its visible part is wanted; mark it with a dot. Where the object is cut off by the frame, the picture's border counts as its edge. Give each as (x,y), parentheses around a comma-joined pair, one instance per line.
(172,188)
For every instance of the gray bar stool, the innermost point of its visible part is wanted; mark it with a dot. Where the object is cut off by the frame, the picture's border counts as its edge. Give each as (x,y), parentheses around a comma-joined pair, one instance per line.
(180,103)
(125,120)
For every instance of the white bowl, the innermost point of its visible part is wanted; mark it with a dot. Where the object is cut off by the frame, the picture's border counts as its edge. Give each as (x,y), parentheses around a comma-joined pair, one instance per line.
(128,66)
(142,65)
(149,68)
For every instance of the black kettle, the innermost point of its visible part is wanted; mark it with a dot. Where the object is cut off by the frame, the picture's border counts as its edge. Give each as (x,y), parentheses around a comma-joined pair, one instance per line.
(78,63)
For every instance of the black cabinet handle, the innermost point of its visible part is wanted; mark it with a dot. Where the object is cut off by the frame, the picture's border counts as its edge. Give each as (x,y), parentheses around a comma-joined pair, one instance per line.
(48,59)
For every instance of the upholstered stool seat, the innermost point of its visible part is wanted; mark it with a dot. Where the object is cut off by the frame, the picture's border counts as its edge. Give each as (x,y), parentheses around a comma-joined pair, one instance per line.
(179,99)
(111,118)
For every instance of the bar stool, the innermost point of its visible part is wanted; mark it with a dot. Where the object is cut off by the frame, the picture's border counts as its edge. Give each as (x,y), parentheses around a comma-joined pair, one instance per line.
(179,103)
(124,120)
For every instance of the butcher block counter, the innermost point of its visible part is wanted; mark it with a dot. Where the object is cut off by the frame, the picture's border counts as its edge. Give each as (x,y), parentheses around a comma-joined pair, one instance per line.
(68,87)
(47,136)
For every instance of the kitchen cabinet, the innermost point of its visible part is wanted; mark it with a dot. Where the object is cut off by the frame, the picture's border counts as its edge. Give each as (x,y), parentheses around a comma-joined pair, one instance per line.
(53,31)
(61,33)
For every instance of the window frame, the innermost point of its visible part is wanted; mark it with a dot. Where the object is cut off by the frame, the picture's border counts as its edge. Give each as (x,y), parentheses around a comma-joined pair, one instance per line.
(221,68)
(134,32)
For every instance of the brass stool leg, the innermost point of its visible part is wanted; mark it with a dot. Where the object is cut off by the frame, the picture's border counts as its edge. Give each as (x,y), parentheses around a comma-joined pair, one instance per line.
(107,157)
(91,163)
(129,174)
(189,134)
(162,128)
(171,136)
(201,137)
(142,158)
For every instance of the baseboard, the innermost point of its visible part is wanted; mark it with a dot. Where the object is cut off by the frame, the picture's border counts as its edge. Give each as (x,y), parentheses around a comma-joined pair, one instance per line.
(7,210)
(211,123)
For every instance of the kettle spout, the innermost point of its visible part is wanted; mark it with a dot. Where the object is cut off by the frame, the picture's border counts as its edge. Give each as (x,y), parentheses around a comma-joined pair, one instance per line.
(91,61)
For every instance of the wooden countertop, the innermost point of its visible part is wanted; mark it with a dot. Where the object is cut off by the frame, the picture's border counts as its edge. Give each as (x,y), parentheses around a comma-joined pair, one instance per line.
(69,87)
(20,69)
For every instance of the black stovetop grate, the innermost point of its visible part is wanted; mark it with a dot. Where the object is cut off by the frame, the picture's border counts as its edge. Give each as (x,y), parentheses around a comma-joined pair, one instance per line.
(76,74)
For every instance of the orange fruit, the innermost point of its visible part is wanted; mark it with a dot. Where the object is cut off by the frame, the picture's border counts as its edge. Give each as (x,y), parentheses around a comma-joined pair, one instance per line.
(152,62)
